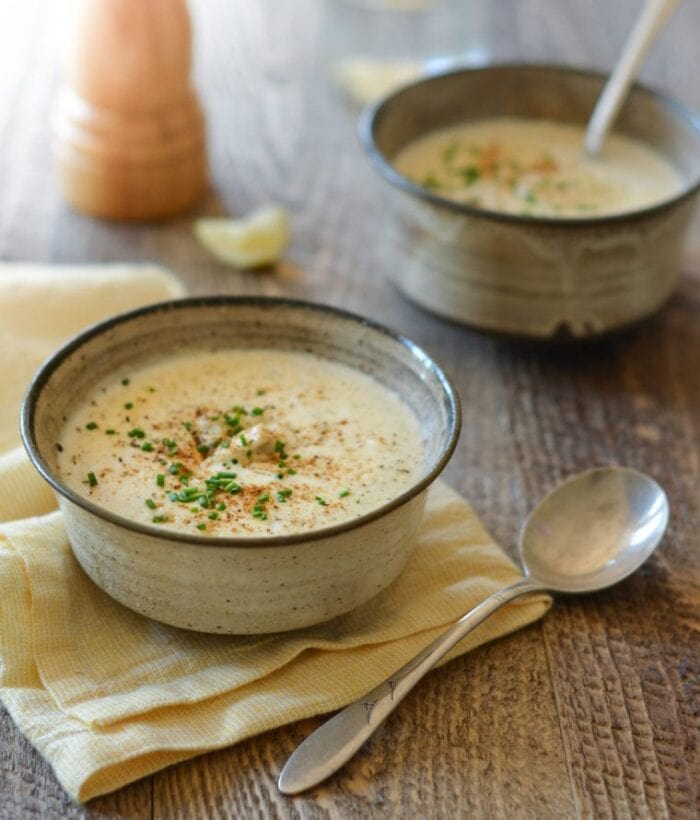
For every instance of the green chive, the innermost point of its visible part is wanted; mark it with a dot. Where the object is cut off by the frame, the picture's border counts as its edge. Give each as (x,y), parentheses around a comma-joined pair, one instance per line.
(151,504)
(110,432)
(201,526)
(160,480)
(258,411)
(129,405)
(159,519)
(320,501)
(125,382)
(91,425)
(92,479)
(345,494)
(137,432)
(243,440)
(221,506)
(147,447)
(279,446)
(213,515)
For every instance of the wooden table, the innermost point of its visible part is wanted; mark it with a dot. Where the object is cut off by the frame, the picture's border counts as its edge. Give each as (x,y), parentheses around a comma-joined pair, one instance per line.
(591,712)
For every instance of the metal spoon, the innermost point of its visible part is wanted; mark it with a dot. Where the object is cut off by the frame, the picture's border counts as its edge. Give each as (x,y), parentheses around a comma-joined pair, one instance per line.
(591,532)
(651,20)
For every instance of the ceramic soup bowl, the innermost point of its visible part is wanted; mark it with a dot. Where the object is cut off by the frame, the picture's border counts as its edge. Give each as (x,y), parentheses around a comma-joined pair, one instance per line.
(525,275)
(241,585)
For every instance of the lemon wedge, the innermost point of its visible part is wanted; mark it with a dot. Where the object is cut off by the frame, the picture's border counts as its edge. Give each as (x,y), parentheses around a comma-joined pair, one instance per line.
(251,242)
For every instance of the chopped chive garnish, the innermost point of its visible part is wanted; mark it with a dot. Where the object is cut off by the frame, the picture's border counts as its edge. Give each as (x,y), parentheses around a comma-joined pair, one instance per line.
(150,503)
(248,453)
(125,382)
(234,461)
(92,479)
(283,495)
(147,447)
(129,405)
(160,480)
(176,468)
(320,501)
(296,455)
(345,494)
(194,509)
(187,425)
(201,526)
(258,411)
(280,476)
(240,410)
(263,498)
(243,440)
(137,432)
(221,506)
(110,432)
(260,392)
(203,449)
(159,519)
(291,471)
(282,464)
(279,446)
(151,389)
(170,444)
(91,425)
(213,515)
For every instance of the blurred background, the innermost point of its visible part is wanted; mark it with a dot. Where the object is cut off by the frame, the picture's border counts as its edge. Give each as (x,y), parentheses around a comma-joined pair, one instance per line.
(278,128)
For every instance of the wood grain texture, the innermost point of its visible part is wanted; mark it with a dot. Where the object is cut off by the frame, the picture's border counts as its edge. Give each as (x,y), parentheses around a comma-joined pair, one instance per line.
(593,712)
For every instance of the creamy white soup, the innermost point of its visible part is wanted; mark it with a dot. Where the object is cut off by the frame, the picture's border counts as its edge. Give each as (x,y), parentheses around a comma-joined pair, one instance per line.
(241,442)
(538,168)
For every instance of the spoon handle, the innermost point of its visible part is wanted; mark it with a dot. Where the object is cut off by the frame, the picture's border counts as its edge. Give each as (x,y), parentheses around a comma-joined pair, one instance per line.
(649,23)
(337,740)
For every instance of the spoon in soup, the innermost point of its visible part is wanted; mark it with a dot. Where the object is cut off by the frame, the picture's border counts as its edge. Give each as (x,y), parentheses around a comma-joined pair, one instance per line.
(591,532)
(651,20)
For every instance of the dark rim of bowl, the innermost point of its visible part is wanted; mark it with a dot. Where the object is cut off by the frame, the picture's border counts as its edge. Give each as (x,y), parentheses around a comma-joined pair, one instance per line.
(28,410)
(370,116)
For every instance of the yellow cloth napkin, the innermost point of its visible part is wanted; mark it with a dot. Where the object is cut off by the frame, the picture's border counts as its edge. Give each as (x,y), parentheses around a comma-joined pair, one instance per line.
(108,696)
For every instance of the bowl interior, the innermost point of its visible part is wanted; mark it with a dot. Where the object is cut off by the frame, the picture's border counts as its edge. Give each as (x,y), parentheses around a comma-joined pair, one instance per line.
(540,92)
(240,322)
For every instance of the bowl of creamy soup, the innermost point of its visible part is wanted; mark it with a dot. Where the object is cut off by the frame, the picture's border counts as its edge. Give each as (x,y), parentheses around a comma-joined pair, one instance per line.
(498,219)
(240,465)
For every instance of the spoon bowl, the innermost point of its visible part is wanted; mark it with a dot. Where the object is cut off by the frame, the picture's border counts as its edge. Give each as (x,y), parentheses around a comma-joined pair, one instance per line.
(589,533)
(593,530)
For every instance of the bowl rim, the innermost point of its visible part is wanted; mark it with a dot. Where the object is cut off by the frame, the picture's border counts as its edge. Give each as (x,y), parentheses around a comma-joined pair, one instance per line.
(371,114)
(50,365)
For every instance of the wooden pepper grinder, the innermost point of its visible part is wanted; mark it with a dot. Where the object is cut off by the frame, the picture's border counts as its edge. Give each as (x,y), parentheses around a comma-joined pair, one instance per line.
(128,128)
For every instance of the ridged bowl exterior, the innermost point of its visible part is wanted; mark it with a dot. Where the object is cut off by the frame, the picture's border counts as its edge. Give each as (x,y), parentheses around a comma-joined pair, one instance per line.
(523,275)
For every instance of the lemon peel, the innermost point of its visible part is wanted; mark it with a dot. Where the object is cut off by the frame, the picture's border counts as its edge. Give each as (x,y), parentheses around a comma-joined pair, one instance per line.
(254,241)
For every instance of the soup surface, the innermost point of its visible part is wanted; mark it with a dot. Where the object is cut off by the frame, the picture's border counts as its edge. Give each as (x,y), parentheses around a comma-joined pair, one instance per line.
(537,168)
(241,442)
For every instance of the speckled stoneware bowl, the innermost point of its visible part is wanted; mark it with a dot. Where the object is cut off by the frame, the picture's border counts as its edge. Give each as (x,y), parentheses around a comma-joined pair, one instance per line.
(241,585)
(524,275)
